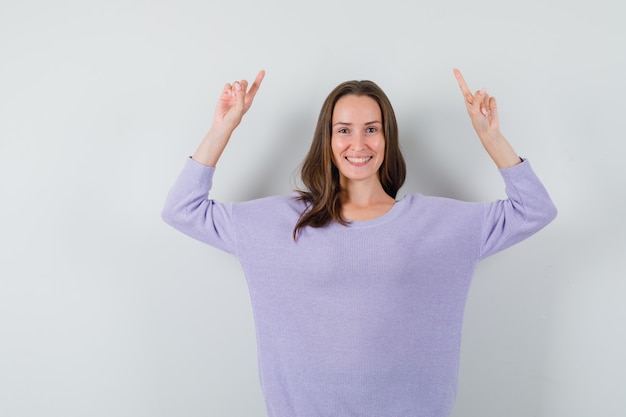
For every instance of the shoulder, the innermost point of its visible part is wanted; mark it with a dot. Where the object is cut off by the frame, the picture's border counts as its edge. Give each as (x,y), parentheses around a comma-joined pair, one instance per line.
(267,209)
(435,218)
(431,213)
(274,202)
(426,203)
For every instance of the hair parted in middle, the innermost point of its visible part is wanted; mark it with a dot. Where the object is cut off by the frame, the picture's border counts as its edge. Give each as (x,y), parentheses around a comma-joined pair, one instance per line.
(319,174)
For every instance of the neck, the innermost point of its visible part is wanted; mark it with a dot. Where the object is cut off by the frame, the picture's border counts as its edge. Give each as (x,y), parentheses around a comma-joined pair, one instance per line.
(364,193)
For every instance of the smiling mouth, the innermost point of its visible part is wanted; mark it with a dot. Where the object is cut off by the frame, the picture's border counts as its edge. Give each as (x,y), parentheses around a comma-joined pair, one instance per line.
(358,161)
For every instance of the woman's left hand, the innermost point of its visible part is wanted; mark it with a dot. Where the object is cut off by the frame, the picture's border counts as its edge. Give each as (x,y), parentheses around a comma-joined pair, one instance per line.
(483,111)
(481,107)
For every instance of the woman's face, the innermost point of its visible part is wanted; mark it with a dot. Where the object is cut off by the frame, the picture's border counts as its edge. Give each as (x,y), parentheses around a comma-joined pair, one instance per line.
(357,141)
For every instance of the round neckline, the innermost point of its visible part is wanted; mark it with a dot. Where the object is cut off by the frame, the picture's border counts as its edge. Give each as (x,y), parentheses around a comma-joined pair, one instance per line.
(391,214)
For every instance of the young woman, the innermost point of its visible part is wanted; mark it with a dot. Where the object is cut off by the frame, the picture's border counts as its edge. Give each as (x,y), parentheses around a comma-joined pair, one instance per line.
(358,297)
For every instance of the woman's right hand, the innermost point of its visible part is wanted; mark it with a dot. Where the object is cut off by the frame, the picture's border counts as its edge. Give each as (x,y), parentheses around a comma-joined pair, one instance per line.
(234,102)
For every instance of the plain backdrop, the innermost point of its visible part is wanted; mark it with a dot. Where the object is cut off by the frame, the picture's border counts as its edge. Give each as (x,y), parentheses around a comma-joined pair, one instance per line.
(107,311)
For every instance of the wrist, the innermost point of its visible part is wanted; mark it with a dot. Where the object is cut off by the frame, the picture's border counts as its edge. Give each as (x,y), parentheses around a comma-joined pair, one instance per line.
(500,150)
(218,134)
(211,147)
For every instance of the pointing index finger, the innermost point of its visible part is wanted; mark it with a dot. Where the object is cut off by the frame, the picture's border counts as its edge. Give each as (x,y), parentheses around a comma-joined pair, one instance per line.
(463,85)
(257,83)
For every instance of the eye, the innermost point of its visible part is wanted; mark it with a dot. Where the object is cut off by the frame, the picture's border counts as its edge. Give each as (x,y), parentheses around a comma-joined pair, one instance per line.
(371,129)
(343,130)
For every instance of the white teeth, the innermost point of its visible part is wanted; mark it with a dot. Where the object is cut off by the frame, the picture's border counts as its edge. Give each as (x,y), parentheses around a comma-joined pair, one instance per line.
(358,160)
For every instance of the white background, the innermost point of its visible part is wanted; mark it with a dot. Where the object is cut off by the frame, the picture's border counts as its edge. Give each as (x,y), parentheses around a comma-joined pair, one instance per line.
(106,311)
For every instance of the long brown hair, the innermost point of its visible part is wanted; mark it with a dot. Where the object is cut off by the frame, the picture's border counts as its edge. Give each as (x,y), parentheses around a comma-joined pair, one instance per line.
(319,174)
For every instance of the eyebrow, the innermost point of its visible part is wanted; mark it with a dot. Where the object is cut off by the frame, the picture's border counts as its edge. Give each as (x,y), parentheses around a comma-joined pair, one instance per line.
(350,124)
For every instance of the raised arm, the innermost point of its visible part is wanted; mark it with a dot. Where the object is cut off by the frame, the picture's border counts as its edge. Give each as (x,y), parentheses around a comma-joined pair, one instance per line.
(234,102)
(483,112)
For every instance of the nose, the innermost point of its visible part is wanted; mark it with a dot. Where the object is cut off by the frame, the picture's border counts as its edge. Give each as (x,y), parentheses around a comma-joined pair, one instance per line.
(358,142)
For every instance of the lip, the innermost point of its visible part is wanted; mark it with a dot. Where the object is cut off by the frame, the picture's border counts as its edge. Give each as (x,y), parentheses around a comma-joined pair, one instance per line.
(358,160)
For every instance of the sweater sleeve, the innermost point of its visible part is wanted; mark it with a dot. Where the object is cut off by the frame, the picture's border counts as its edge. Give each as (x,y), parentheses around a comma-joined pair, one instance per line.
(189,209)
(527,210)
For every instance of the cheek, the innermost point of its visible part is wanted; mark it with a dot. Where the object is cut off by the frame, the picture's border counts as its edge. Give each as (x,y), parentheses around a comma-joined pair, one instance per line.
(380,146)
(337,145)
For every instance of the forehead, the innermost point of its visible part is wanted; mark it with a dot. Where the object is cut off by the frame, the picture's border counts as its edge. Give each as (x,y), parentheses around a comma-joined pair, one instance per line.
(351,109)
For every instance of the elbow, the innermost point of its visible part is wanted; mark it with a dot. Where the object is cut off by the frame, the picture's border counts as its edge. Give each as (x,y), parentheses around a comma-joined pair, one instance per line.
(172,216)
(549,213)
(166,215)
